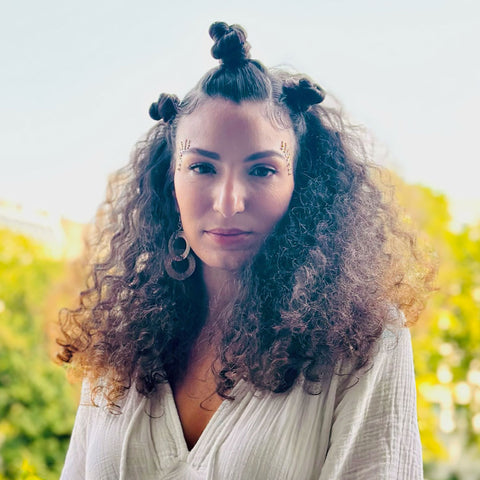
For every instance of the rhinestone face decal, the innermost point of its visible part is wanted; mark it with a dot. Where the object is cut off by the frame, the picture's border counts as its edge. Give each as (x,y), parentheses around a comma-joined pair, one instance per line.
(184,146)
(286,153)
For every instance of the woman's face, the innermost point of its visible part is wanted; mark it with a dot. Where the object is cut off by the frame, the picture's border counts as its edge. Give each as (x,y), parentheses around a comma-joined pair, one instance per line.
(233,179)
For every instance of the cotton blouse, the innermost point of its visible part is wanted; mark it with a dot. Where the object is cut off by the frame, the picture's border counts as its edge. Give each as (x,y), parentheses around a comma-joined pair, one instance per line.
(359,427)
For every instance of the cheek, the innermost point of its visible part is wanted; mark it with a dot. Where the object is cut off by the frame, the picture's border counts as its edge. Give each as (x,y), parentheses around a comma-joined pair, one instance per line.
(278,201)
(189,199)
(270,209)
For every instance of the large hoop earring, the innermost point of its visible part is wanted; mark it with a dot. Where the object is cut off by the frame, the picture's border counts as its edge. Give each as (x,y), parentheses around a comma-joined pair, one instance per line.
(180,262)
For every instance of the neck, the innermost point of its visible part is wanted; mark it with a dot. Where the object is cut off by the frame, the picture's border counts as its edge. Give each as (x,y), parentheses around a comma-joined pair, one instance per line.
(219,285)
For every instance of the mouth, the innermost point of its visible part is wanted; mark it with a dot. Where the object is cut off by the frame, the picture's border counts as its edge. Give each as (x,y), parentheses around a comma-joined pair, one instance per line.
(233,237)
(227,232)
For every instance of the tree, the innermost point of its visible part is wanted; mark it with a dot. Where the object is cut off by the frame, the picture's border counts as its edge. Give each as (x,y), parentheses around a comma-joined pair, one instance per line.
(37,405)
(447,341)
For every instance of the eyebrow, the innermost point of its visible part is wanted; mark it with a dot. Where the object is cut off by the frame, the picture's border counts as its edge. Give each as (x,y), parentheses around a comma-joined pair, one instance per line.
(250,158)
(203,153)
(263,154)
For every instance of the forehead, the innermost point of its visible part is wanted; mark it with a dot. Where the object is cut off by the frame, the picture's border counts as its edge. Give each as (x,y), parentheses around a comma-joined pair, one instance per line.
(218,120)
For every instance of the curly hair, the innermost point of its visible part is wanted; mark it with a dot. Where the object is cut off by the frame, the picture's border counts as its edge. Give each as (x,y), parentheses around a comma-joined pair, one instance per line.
(321,289)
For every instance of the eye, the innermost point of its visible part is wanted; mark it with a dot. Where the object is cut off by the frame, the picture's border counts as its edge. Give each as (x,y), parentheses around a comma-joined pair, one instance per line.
(202,168)
(262,171)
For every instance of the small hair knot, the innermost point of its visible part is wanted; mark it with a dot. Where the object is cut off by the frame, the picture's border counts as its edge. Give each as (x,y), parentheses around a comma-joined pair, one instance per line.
(165,108)
(299,94)
(230,43)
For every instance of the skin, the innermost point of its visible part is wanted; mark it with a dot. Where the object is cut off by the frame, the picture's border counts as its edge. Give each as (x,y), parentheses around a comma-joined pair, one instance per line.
(232,185)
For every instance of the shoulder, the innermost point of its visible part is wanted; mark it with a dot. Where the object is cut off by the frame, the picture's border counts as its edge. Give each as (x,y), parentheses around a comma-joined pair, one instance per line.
(393,354)
(390,369)
(375,416)
(393,349)
(396,341)
(94,403)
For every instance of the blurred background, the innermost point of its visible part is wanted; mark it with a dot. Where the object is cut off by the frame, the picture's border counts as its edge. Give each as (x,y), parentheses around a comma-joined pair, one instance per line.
(77,80)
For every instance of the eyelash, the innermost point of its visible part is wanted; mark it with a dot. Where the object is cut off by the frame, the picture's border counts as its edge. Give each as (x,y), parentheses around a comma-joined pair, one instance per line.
(198,167)
(256,171)
(264,169)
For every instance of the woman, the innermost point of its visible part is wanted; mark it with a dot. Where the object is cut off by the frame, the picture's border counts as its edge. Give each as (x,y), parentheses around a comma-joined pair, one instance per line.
(244,314)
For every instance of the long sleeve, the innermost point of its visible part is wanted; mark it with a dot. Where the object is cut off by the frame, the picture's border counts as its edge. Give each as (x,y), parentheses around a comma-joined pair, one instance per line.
(74,467)
(375,431)
(363,432)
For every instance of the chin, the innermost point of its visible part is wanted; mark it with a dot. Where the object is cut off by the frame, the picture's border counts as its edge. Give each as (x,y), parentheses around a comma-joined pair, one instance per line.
(230,263)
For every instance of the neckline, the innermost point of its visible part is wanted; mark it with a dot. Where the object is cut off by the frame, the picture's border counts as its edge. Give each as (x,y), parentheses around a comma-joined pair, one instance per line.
(238,392)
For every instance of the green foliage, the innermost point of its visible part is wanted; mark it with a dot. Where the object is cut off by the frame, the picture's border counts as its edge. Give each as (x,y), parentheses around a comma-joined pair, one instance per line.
(447,342)
(26,472)
(36,403)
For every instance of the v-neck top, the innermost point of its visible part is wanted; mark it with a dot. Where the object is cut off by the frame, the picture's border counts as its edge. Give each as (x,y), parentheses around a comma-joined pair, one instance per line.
(359,427)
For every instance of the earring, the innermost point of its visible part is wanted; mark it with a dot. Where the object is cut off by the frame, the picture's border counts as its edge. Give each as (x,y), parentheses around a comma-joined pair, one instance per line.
(180,262)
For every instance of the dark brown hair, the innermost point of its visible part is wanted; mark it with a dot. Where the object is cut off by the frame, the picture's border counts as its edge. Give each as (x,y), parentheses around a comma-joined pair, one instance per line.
(337,268)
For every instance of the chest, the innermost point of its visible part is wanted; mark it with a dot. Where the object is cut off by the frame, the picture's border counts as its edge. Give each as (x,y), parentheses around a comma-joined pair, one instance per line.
(195,398)
(256,436)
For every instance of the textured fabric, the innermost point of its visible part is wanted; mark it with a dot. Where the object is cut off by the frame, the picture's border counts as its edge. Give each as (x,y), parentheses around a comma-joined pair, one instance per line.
(357,428)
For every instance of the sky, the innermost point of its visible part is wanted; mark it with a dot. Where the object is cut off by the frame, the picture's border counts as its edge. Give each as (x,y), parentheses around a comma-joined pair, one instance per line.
(77,79)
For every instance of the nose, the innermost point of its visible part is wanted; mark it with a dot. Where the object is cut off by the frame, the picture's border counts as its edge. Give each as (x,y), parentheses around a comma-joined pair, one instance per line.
(229,196)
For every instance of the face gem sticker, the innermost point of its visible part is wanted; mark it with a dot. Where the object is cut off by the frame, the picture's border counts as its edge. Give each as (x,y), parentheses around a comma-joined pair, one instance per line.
(184,146)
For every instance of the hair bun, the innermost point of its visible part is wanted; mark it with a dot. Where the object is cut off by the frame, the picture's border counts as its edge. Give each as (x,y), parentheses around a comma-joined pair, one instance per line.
(231,46)
(300,94)
(165,108)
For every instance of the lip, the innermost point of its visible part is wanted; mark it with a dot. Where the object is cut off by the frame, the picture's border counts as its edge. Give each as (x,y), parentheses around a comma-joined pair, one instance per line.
(227,231)
(226,237)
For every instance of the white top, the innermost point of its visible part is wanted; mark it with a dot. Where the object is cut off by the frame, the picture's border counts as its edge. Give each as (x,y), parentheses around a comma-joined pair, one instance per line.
(368,431)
